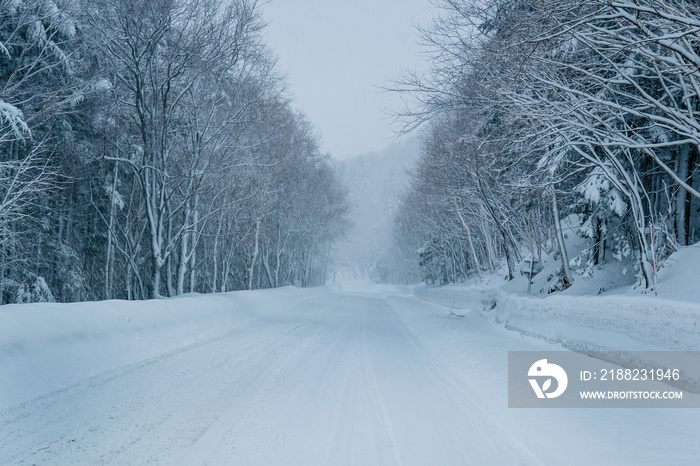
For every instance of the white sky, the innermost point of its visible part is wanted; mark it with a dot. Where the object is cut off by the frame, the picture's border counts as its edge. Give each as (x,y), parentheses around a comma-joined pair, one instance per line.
(336,53)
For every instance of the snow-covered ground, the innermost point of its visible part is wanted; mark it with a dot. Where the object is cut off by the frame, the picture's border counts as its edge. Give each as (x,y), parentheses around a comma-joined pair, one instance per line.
(602,311)
(355,375)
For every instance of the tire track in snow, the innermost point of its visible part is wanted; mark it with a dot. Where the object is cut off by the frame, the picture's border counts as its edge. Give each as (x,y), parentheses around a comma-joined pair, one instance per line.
(338,380)
(509,448)
(248,400)
(380,416)
(426,385)
(41,421)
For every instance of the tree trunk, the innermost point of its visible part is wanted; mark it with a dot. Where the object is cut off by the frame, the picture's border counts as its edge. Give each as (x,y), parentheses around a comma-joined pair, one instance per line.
(475,258)
(254,256)
(597,241)
(489,244)
(215,258)
(536,234)
(566,273)
(603,238)
(129,295)
(169,264)
(682,197)
(109,262)
(182,266)
(508,254)
(184,249)
(193,270)
(643,238)
(193,252)
(157,270)
(268,272)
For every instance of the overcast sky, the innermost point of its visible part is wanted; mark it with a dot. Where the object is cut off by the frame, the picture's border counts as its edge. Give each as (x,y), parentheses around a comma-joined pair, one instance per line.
(335,54)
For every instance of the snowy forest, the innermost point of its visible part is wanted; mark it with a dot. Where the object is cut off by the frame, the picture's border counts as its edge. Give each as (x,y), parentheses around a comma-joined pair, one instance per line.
(149,148)
(541,110)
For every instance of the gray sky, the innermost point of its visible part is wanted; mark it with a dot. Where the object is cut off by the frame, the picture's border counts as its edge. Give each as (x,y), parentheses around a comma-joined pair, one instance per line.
(336,53)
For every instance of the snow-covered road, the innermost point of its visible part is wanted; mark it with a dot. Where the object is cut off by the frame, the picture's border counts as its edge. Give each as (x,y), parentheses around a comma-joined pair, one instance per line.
(328,376)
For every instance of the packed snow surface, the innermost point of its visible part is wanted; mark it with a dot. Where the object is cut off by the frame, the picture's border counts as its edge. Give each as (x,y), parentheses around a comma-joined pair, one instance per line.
(336,375)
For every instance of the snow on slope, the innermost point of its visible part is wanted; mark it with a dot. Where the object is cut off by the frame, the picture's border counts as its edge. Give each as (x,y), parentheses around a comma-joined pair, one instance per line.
(620,318)
(679,275)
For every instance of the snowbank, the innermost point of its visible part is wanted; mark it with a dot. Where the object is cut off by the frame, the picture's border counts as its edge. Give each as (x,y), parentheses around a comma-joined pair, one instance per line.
(597,323)
(619,320)
(49,345)
(584,323)
(623,319)
(613,324)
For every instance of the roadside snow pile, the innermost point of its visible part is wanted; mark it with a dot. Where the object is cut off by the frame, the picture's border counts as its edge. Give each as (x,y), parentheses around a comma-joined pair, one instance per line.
(620,319)
(578,319)
(49,345)
(679,275)
(601,323)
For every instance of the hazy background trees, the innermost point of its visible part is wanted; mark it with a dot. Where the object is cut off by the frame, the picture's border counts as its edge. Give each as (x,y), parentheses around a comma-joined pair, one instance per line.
(148,149)
(539,110)
(375,183)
